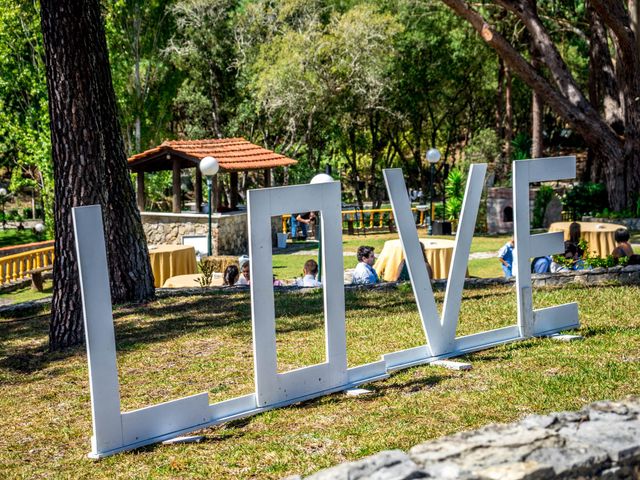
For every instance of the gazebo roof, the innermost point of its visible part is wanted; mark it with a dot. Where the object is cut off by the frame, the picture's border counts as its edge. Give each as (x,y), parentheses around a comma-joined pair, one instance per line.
(233,154)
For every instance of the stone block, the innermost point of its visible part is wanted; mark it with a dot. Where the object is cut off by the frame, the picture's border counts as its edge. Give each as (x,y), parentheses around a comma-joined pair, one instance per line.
(386,465)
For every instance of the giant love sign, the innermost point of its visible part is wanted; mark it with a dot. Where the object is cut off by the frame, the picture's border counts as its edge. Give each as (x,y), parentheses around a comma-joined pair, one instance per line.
(115,431)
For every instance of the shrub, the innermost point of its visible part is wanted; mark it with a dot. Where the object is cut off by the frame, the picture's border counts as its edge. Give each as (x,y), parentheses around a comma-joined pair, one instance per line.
(454,188)
(27,212)
(543,197)
(13,215)
(585,199)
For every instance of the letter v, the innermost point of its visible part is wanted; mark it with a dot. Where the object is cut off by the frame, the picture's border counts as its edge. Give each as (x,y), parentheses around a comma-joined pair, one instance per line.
(440,333)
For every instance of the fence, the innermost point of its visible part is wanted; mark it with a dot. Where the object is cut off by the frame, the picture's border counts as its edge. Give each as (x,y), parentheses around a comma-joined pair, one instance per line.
(15,267)
(362,221)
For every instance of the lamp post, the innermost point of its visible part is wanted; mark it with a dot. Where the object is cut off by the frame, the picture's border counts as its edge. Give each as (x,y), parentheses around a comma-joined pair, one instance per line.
(433,157)
(3,198)
(209,166)
(39,228)
(320,178)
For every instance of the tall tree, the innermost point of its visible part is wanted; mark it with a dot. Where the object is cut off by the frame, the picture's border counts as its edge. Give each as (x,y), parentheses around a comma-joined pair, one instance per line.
(90,165)
(615,144)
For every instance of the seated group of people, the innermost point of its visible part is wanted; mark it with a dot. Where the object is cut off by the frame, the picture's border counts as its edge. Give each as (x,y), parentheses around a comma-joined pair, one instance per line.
(572,258)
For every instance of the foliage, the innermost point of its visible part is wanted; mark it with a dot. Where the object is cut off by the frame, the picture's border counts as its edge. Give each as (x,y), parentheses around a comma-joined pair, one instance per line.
(144,81)
(25,148)
(543,197)
(206,269)
(585,199)
(484,147)
(521,146)
(454,188)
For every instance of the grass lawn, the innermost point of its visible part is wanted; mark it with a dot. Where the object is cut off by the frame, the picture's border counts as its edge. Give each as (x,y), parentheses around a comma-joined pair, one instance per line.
(184,345)
(28,294)
(13,236)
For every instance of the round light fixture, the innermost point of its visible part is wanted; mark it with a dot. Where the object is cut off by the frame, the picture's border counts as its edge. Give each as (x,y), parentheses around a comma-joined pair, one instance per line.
(433,155)
(3,192)
(209,166)
(39,228)
(321,178)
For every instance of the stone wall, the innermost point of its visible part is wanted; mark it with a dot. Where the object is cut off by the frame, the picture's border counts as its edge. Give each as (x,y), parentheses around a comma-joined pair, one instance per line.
(228,230)
(498,200)
(630,223)
(600,441)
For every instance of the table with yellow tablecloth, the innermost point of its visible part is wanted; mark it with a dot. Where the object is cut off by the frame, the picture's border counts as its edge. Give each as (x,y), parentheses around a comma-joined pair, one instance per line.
(600,236)
(171,260)
(438,252)
(191,281)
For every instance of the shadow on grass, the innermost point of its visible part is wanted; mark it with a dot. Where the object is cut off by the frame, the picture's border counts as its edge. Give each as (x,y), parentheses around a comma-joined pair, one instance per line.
(24,347)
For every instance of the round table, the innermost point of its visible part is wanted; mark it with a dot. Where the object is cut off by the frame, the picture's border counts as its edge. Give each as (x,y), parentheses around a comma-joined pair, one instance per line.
(171,260)
(191,281)
(438,252)
(600,236)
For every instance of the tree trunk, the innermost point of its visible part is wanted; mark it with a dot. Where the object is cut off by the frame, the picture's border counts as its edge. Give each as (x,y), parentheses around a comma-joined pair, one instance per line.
(536,112)
(508,118)
(89,163)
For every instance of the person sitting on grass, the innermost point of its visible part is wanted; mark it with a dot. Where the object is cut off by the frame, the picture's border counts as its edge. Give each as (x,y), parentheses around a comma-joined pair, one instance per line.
(505,255)
(623,247)
(310,272)
(244,278)
(364,272)
(230,276)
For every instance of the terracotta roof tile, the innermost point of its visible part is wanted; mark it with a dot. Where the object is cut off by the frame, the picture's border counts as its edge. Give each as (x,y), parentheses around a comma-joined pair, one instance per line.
(233,154)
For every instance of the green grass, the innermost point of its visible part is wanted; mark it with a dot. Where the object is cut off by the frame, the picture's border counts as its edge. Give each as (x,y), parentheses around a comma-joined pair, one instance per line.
(28,294)
(13,236)
(485,268)
(184,345)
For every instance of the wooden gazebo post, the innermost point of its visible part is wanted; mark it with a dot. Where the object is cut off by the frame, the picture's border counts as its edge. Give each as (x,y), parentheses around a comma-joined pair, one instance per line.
(198,189)
(233,180)
(176,185)
(140,196)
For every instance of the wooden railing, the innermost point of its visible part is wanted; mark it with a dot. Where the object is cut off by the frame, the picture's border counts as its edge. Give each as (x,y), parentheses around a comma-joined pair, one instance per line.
(15,267)
(362,220)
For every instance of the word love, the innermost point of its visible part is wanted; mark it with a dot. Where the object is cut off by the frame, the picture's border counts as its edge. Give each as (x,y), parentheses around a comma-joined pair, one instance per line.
(115,431)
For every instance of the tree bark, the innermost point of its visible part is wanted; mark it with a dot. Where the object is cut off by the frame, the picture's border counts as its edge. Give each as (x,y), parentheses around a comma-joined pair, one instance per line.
(89,162)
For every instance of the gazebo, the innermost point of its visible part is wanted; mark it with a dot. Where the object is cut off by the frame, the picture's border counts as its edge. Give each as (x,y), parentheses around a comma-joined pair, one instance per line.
(233,154)
(229,229)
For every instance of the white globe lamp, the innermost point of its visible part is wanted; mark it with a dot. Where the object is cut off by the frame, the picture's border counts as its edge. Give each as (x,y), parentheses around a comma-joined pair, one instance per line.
(209,166)
(321,178)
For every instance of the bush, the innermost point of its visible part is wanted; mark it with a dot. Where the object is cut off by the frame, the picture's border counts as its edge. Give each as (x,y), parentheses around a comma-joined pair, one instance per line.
(543,197)
(39,213)
(585,199)
(27,212)
(454,188)
(13,215)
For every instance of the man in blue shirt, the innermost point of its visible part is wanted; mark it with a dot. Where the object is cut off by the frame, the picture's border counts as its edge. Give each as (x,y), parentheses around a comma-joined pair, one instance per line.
(505,255)
(364,272)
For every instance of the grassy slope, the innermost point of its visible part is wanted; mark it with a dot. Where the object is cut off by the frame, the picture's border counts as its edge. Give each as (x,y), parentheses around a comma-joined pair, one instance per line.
(181,346)
(13,236)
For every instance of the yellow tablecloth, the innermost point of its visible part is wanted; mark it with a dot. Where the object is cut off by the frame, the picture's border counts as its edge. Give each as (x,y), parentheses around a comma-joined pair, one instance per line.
(600,236)
(171,260)
(438,252)
(191,281)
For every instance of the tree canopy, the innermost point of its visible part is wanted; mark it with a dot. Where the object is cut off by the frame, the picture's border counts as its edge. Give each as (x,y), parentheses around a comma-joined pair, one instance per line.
(358,84)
